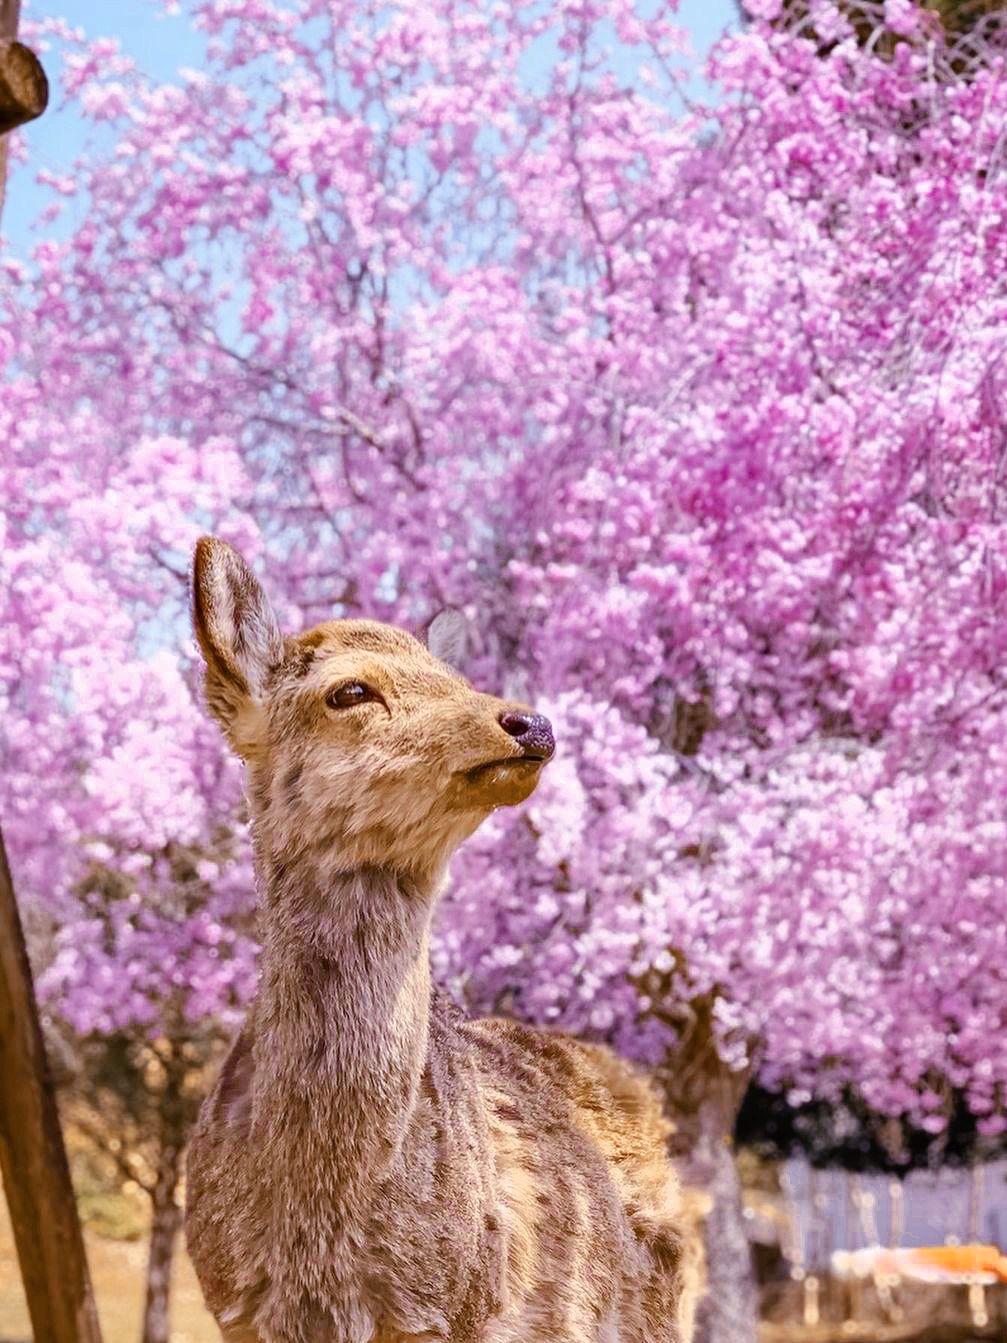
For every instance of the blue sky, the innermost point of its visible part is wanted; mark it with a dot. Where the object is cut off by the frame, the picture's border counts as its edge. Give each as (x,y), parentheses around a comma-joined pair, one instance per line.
(162,44)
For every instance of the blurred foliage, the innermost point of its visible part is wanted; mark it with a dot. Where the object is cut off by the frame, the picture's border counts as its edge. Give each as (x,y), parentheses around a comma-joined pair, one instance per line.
(110,1206)
(847,1135)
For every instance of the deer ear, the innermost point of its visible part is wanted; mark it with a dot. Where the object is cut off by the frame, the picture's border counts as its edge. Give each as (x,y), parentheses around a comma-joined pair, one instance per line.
(448,636)
(238,635)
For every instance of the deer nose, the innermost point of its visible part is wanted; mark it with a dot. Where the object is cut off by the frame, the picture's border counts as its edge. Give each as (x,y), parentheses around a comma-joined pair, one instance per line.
(531,731)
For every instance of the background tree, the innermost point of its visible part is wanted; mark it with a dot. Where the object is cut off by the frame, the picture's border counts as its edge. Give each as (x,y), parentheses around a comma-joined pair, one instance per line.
(148,978)
(122,813)
(133,1099)
(697,411)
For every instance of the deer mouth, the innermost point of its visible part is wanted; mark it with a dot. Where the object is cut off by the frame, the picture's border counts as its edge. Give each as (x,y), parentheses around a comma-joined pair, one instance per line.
(507,763)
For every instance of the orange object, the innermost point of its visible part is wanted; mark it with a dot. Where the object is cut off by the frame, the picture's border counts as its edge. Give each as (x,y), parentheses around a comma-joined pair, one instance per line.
(960,1260)
(926,1263)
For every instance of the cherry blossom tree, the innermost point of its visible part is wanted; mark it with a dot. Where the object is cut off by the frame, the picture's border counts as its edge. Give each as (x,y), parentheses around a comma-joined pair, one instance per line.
(697,411)
(120,809)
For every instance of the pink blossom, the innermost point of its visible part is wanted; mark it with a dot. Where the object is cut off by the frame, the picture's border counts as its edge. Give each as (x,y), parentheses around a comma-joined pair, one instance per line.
(698,414)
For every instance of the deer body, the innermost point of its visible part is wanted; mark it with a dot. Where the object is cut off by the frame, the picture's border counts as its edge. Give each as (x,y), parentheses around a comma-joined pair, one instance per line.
(372,1167)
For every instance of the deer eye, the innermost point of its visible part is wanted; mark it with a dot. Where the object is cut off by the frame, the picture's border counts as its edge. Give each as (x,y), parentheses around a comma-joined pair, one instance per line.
(349,695)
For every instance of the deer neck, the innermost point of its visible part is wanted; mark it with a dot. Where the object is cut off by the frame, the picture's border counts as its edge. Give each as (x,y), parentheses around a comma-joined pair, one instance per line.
(341,1030)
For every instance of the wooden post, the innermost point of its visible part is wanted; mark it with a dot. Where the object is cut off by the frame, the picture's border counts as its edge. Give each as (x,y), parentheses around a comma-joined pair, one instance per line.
(35,1172)
(36,1176)
(24,89)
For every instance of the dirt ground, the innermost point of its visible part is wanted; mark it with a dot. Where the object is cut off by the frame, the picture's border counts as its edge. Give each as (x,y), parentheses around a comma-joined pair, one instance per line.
(117,1269)
(117,1273)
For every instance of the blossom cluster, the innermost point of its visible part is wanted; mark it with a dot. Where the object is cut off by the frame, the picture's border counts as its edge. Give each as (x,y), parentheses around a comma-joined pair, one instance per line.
(697,410)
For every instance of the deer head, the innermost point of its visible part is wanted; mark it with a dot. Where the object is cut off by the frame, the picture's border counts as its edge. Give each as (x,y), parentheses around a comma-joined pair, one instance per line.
(358,740)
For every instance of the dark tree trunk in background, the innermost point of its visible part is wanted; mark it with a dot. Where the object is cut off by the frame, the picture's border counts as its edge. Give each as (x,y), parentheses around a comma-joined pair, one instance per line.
(166,1215)
(704,1098)
(165,1222)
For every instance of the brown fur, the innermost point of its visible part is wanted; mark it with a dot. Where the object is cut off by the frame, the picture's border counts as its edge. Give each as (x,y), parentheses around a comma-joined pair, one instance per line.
(372,1167)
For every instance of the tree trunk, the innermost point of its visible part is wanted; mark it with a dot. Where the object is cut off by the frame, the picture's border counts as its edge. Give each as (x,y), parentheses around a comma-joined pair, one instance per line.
(166,1215)
(165,1222)
(704,1097)
(729,1311)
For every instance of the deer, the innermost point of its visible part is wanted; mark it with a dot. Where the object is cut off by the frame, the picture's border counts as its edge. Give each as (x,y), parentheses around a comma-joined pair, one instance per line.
(371,1165)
